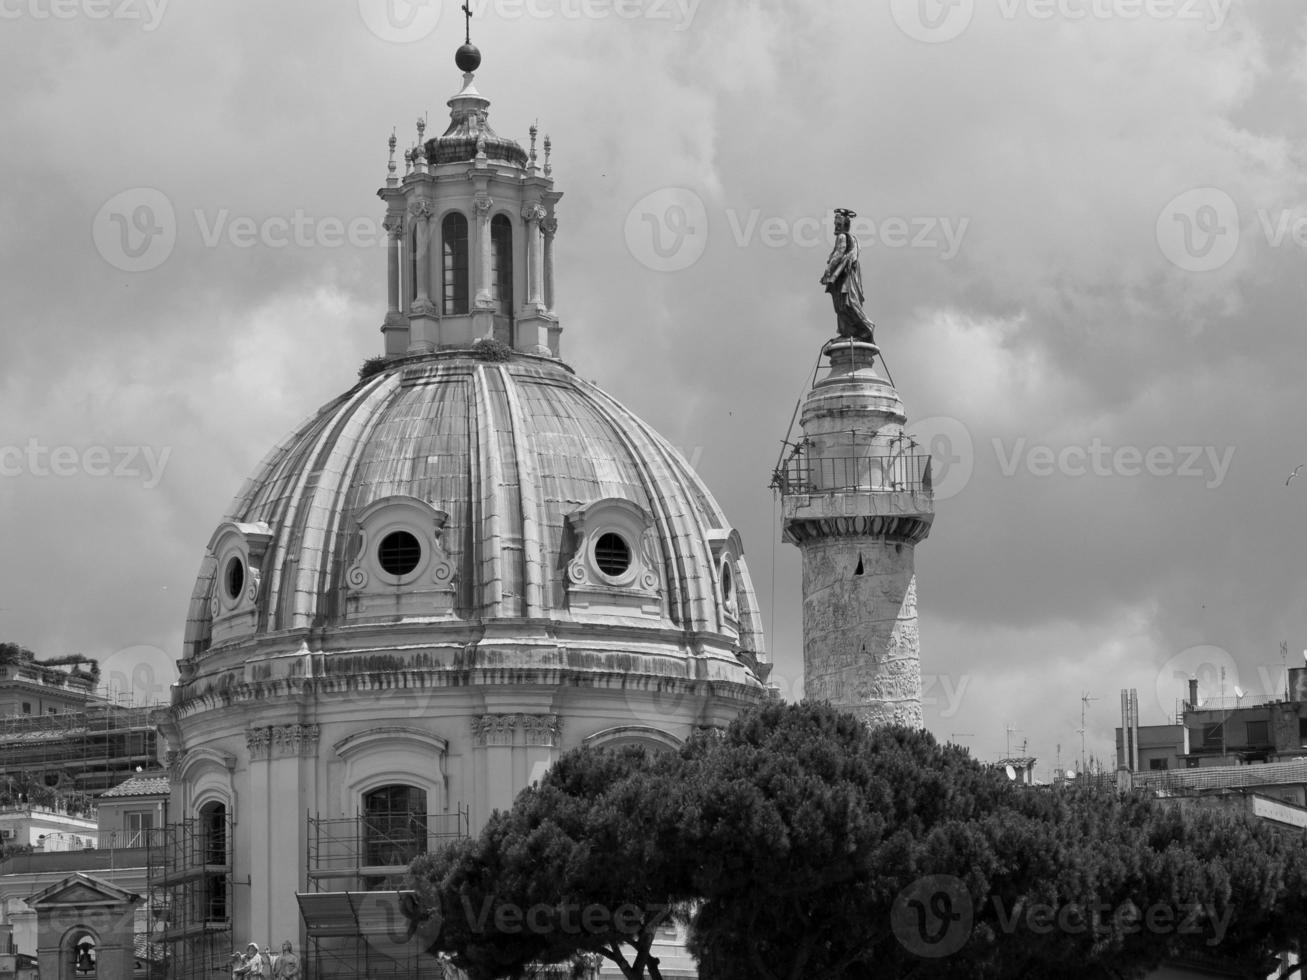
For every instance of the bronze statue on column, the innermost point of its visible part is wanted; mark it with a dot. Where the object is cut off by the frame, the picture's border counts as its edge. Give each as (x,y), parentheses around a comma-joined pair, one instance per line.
(843,280)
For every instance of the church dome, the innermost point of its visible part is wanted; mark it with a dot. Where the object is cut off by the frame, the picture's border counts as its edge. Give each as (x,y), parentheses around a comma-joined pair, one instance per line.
(450,493)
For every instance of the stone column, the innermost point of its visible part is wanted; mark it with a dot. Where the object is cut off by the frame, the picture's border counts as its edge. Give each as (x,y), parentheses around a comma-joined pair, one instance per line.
(422,314)
(483,203)
(531,215)
(856,507)
(549,226)
(395,328)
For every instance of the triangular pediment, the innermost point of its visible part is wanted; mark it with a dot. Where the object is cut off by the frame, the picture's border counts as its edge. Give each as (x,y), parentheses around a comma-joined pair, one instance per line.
(80,889)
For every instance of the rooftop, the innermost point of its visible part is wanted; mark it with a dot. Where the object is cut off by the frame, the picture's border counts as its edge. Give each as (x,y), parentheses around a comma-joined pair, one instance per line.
(143,785)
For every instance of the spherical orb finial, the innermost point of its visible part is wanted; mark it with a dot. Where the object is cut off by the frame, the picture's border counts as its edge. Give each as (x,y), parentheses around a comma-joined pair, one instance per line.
(468,57)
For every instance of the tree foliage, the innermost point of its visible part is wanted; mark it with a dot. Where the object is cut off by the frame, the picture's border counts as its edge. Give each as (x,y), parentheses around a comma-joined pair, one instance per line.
(580,867)
(803,845)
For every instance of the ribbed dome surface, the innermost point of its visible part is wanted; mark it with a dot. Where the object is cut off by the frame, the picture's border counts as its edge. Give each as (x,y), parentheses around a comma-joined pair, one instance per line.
(507,449)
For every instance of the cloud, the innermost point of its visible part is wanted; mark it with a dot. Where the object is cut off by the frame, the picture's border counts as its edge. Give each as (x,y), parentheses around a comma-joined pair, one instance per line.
(1051,147)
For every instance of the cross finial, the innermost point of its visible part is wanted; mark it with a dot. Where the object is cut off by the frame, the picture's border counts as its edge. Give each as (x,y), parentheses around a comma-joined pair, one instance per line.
(467,18)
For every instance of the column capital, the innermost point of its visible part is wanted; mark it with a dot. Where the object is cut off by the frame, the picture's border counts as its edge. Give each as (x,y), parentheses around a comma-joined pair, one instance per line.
(494,729)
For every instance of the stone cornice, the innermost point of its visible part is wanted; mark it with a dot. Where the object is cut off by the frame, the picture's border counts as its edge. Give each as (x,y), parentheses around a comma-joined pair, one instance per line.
(909,529)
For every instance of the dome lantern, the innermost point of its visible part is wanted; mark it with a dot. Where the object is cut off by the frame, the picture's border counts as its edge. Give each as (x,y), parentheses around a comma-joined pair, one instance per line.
(471,227)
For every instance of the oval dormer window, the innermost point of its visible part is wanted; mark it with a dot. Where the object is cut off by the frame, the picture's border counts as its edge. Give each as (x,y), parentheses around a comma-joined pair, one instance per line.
(234,577)
(612,554)
(399,553)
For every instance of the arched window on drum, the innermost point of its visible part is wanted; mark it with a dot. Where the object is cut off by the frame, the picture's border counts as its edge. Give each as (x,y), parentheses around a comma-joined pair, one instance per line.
(501,264)
(394,830)
(454,286)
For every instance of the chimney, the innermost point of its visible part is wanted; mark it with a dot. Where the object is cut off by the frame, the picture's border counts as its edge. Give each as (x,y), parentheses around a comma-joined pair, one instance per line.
(1193,693)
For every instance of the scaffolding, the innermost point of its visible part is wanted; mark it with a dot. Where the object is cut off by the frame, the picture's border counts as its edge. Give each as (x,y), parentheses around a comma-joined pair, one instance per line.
(359,919)
(86,751)
(189,909)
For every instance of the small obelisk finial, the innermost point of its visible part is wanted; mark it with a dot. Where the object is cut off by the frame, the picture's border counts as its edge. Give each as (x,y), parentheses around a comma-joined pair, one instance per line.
(548,146)
(390,164)
(422,128)
(533,130)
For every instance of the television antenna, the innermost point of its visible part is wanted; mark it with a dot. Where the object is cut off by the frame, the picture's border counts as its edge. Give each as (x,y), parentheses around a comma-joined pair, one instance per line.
(1010,732)
(1084,704)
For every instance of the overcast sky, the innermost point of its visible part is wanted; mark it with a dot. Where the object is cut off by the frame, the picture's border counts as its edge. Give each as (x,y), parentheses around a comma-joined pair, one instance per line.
(1083,242)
